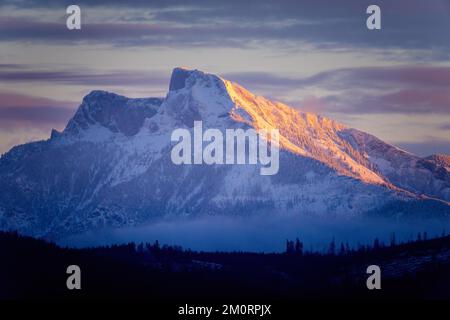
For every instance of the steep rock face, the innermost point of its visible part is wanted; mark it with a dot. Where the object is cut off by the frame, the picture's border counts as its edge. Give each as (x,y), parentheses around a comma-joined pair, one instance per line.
(178,78)
(111,166)
(112,111)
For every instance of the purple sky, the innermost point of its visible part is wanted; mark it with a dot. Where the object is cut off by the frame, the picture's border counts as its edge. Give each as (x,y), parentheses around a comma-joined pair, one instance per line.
(315,55)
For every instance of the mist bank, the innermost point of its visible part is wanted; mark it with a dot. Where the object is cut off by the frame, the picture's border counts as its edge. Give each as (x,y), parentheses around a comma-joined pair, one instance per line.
(263,234)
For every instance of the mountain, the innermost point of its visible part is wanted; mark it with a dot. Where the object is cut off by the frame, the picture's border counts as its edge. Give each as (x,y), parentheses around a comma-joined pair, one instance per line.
(440,160)
(111,166)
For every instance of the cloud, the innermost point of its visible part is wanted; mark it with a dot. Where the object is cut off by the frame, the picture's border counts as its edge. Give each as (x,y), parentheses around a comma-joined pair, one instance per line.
(17,110)
(445,127)
(25,118)
(427,147)
(265,79)
(12,99)
(11,116)
(367,90)
(11,66)
(362,77)
(383,77)
(406,24)
(128,34)
(401,89)
(10,137)
(407,101)
(86,77)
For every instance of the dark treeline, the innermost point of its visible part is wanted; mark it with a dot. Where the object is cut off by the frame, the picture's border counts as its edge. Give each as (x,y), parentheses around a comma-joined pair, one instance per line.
(296,247)
(33,268)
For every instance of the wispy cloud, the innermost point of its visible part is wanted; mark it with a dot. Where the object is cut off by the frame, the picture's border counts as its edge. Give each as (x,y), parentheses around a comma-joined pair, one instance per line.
(426,147)
(374,77)
(403,89)
(17,110)
(407,24)
(15,73)
(14,116)
(409,101)
(445,127)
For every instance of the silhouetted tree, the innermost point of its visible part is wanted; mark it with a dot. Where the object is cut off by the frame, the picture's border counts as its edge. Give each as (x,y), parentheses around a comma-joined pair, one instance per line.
(298,247)
(290,248)
(342,250)
(131,247)
(376,244)
(332,247)
(361,248)
(393,241)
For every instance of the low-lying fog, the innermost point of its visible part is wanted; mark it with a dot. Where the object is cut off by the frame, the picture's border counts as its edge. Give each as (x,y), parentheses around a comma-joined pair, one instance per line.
(263,234)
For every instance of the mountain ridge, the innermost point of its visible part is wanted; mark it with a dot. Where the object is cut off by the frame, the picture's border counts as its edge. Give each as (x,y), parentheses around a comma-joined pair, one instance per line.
(111,165)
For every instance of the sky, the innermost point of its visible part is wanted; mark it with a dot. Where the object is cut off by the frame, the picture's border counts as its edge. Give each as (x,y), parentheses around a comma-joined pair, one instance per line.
(317,56)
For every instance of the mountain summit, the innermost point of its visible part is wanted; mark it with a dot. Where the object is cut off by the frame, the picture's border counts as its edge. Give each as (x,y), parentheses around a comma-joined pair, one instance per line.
(111,165)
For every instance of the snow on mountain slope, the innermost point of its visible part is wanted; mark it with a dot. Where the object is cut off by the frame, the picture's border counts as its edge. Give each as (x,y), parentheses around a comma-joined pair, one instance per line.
(302,133)
(441,160)
(403,169)
(111,166)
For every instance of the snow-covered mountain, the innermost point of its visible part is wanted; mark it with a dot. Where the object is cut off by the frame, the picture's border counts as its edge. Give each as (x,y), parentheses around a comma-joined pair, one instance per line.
(111,165)
(440,160)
